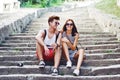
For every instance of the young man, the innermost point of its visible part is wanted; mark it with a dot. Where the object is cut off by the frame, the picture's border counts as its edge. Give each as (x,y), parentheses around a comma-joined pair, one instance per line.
(49,38)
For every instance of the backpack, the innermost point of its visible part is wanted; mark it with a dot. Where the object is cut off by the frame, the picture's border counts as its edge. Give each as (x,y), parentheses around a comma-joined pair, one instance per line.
(56,35)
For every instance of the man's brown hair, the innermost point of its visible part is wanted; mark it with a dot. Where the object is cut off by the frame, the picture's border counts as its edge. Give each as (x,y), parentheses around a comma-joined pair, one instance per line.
(51,18)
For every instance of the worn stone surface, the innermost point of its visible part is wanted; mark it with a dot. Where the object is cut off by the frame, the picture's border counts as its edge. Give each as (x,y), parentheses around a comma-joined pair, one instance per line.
(107,22)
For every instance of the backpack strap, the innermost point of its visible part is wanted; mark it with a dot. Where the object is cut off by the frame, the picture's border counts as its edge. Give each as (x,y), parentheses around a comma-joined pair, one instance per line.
(45,33)
(57,36)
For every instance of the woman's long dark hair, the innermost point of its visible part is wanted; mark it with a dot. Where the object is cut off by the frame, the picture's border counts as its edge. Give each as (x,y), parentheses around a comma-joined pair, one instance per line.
(74,29)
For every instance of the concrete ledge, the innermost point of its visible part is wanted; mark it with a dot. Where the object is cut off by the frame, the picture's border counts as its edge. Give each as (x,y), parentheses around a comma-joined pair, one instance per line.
(107,22)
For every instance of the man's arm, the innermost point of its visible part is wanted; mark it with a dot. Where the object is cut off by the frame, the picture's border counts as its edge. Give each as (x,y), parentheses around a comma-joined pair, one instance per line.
(39,37)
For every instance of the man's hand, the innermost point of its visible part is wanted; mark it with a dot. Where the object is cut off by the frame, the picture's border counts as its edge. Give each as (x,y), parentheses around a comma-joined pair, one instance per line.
(46,50)
(54,45)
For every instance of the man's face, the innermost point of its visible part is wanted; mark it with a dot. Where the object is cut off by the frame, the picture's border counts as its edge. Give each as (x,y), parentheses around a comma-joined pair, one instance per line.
(54,23)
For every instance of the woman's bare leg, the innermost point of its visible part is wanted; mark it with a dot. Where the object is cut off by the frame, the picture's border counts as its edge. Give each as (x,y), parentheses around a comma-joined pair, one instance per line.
(79,55)
(66,52)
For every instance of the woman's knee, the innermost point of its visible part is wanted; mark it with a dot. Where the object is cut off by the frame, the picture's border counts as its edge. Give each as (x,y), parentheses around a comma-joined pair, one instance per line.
(81,51)
(63,43)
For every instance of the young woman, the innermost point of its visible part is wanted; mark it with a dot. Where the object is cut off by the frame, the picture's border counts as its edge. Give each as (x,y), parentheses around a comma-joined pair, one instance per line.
(69,43)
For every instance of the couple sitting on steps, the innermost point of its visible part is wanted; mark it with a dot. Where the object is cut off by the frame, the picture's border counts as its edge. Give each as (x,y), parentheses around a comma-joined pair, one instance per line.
(49,43)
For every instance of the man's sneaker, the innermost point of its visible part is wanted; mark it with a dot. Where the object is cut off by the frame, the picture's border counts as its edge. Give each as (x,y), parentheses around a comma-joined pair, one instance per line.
(41,64)
(69,64)
(76,72)
(54,72)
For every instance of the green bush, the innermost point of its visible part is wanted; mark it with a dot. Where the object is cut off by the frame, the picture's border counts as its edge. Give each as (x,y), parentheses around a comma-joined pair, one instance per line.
(40,3)
(109,6)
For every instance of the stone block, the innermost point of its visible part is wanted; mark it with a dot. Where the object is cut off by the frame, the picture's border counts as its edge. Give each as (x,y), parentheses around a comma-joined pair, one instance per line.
(7,6)
(118,3)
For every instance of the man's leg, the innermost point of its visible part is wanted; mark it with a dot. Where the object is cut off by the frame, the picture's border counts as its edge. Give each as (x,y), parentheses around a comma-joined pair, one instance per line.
(39,50)
(57,57)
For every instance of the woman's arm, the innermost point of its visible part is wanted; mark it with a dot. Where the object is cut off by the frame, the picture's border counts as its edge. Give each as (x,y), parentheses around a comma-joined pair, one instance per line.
(73,46)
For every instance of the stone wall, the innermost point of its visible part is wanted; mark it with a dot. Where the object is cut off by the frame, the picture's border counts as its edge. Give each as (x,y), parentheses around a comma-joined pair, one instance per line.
(107,22)
(15,24)
(17,21)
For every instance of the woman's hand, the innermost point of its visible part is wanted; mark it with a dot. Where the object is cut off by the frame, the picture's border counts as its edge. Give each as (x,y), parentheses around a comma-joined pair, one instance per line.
(64,39)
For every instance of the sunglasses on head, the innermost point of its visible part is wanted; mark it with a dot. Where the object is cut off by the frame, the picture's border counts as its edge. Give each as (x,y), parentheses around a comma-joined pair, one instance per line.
(57,23)
(67,24)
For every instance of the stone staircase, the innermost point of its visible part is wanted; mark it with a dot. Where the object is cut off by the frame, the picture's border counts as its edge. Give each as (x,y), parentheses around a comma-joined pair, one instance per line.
(102,52)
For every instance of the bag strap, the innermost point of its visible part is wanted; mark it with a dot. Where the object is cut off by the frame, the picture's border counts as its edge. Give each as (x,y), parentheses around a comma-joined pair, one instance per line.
(45,33)
(56,34)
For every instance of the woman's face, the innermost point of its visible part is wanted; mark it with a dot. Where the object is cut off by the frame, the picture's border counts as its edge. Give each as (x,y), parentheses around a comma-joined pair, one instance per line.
(69,25)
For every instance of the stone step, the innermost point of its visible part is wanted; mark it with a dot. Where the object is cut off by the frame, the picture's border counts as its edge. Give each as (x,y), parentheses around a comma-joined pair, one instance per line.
(98,56)
(87,42)
(98,42)
(82,20)
(100,46)
(78,32)
(80,29)
(34,69)
(16,52)
(79,26)
(100,51)
(18,48)
(59,77)
(80,39)
(33,47)
(85,71)
(108,70)
(81,35)
(87,33)
(32,56)
(82,42)
(19,41)
(23,34)
(98,39)
(94,63)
